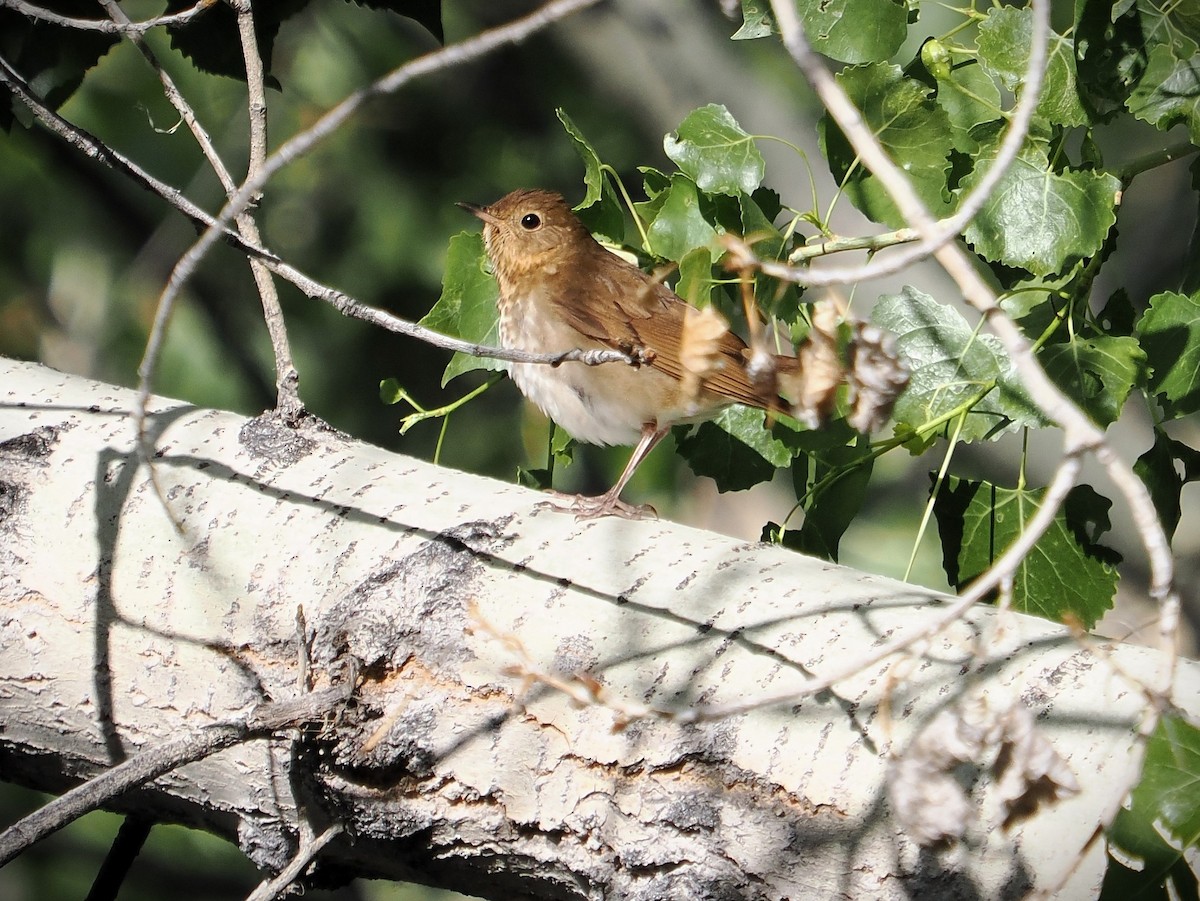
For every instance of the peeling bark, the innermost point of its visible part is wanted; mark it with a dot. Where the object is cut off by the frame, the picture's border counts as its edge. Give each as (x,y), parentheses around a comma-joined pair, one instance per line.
(123,623)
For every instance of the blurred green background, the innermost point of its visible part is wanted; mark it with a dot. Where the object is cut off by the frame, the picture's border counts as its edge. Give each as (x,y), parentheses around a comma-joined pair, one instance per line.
(86,254)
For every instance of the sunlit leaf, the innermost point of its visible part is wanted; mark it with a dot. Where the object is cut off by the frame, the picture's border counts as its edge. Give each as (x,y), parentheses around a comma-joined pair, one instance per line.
(1038,219)
(1170,785)
(856,31)
(714,151)
(1004,44)
(914,130)
(600,208)
(1170,335)
(1067,573)
(467,306)
(950,364)
(676,223)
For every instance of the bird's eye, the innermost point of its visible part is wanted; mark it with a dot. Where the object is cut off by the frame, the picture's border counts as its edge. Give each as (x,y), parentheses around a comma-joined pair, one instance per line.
(531,222)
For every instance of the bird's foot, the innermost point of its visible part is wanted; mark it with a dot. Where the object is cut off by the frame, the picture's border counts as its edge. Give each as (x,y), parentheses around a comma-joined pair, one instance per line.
(594,507)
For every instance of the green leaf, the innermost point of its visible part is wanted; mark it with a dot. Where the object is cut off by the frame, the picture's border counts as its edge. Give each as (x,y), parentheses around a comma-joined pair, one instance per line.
(1039,219)
(970,98)
(695,283)
(1005,38)
(1169,791)
(1111,52)
(1169,333)
(600,208)
(775,298)
(1067,574)
(733,449)
(915,132)
(1161,864)
(829,512)
(856,31)
(1169,90)
(467,307)
(713,150)
(756,21)
(1097,372)
(211,40)
(1157,467)
(427,13)
(676,223)
(951,365)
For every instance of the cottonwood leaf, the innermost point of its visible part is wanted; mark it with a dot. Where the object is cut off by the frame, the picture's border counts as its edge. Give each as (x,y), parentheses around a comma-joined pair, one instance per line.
(52,58)
(915,131)
(1169,90)
(1110,52)
(467,306)
(1038,219)
(716,153)
(856,31)
(1169,333)
(211,41)
(1096,372)
(676,224)
(1161,864)
(1159,469)
(1169,791)
(829,513)
(949,365)
(1005,38)
(756,21)
(733,449)
(969,97)
(600,208)
(1067,574)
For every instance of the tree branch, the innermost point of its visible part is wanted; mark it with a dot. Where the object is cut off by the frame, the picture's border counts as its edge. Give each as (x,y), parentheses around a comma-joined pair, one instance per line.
(170,755)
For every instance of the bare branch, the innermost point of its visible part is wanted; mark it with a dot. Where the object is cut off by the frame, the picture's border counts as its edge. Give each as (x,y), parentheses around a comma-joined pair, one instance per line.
(301,143)
(305,854)
(168,756)
(109,26)
(287,378)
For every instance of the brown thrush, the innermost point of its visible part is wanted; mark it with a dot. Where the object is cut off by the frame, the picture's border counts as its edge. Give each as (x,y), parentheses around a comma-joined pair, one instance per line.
(560,290)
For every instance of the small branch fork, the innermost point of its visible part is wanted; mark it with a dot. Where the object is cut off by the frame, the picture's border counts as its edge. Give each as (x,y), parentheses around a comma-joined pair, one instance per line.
(252,247)
(112,26)
(168,756)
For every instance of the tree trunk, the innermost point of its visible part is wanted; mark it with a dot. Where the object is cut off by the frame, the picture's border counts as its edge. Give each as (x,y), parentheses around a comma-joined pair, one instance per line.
(498,741)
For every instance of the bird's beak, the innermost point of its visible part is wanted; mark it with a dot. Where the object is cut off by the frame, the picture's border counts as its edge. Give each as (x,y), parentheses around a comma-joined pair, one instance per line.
(479,212)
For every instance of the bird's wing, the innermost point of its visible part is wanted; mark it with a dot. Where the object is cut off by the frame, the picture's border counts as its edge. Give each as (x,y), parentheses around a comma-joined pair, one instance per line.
(649,316)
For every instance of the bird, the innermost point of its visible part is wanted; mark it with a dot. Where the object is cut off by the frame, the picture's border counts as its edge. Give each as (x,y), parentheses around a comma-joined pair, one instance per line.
(559,290)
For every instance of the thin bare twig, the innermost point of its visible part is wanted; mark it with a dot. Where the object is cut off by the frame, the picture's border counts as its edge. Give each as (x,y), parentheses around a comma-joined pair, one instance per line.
(164,758)
(304,141)
(109,26)
(287,378)
(310,847)
(97,150)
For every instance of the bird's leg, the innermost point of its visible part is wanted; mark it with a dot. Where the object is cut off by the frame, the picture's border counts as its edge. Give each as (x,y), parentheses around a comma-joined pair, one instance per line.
(610,503)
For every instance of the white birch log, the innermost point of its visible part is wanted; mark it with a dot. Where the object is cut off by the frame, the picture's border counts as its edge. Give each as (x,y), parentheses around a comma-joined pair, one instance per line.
(124,623)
